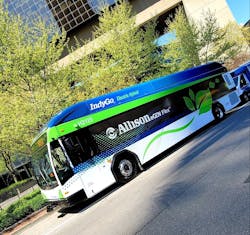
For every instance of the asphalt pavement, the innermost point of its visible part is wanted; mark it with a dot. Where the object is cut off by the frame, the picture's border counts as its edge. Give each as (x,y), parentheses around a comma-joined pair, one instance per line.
(203,187)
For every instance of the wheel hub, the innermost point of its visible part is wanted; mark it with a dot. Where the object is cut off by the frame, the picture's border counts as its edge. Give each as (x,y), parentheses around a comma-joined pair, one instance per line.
(246,97)
(219,113)
(126,168)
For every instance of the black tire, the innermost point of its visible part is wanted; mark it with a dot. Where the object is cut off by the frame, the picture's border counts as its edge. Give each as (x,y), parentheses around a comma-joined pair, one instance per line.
(125,169)
(244,98)
(218,112)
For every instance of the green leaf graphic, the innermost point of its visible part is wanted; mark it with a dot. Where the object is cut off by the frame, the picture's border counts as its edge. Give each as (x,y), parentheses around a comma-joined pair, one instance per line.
(211,85)
(206,104)
(166,133)
(189,103)
(217,80)
(199,98)
(191,94)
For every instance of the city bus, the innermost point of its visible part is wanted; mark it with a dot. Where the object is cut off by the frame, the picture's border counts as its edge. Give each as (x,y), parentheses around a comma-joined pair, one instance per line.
(107,139)
(241,77)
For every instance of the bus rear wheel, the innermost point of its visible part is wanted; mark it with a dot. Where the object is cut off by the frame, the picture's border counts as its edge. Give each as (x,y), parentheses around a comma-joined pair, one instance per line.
(245,98)
(125,169)
(218,112)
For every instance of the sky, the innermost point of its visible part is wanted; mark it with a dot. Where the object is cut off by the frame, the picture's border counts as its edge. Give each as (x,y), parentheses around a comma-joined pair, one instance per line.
(240,10)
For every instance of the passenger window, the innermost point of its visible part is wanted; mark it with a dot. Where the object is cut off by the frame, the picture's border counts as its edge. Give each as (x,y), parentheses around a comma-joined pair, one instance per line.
(242,81)
(80,146)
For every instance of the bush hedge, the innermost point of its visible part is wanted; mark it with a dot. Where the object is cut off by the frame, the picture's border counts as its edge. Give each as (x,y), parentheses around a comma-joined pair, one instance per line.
(21,208)
(11,190)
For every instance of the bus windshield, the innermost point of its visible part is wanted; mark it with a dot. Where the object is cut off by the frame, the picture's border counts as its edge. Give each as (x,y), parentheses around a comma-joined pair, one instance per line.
(60,162)
(42,169)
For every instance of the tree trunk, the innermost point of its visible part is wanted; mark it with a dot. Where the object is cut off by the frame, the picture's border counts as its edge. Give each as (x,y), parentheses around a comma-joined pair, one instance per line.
(9,164)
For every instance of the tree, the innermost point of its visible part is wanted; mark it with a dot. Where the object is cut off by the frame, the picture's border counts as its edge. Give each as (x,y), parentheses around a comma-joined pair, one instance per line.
(7,159)
(33,89)
(241,36)
(2,166)
(218,43)
(246,34)
(237,61)
(200,42)
(127,53)
(183,51)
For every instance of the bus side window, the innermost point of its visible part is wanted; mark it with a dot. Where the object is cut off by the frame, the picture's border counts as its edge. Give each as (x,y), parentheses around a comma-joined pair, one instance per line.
(80,146)
(242,81)
(73,149)
(219,88)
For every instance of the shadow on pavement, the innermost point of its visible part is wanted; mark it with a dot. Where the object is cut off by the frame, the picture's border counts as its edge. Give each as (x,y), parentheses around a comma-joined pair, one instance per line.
(82,206)
(214,135)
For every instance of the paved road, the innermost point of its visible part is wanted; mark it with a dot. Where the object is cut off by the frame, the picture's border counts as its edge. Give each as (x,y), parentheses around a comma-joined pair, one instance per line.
(201,188)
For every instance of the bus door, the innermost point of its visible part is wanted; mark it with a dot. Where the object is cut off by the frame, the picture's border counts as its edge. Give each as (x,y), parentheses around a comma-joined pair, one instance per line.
(82,150)
(97,177)
(232,99)
(229,80)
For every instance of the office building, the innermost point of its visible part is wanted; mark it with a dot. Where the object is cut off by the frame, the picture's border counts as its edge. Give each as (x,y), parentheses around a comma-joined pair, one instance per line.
(78,17)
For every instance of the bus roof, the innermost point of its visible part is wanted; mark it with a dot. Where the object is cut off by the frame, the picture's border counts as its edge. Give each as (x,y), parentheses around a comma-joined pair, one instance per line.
(128,94)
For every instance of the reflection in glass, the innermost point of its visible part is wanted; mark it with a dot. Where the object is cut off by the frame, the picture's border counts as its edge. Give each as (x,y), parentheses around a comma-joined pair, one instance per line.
(42,169)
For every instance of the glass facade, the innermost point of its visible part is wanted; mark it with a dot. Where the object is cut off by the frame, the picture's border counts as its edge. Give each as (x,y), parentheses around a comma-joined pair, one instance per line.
(31,9)
(67,14)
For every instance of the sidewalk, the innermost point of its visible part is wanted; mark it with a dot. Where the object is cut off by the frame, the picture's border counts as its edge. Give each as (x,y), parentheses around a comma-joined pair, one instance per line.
(9,201)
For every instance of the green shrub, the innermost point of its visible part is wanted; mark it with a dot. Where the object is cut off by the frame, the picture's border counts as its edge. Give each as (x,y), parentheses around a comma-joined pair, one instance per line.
(6,219)
(11,190)
(32,194)
(37,202)
(12,207)
(21,208)
(13,186)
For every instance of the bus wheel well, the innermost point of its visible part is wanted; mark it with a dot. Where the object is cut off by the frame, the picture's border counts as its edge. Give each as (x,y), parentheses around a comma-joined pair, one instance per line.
(125,166)
(218,111)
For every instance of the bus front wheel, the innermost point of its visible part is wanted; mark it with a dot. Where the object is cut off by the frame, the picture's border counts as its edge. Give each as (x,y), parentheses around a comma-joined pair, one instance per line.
(218,112)
(125,169)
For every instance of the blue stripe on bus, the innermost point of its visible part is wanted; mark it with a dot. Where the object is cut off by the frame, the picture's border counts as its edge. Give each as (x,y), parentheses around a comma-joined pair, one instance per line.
(135,92)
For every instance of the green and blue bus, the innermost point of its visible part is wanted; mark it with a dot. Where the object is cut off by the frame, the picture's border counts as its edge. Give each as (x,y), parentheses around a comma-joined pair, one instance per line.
(97,142)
